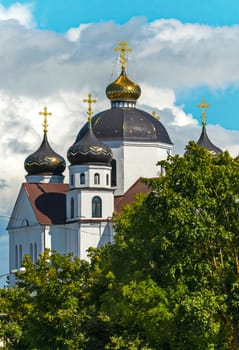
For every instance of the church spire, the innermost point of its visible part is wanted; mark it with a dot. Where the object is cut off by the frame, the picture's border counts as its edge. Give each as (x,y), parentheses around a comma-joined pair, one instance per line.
(123,48)
(44,163)
(203,105)
(89,150)
(89,100)
(45,113)
(204,140)
(123,92)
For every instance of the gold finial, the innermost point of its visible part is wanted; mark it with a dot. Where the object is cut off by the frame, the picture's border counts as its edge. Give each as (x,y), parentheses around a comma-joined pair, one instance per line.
(45,113)
(89,100)
(203,105)
(123,48)
(154,114)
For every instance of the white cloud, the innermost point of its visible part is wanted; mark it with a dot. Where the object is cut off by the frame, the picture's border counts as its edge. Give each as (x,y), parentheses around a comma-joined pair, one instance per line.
(22,13)
(74,34)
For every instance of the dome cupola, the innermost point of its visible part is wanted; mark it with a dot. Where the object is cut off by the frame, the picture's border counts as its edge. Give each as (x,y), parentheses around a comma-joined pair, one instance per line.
(123,121)
(204,140)
(89,149)
(123,92)
(44,161)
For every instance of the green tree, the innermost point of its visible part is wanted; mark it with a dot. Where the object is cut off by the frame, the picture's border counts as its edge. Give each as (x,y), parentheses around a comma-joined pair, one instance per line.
(46,309)
(171,279)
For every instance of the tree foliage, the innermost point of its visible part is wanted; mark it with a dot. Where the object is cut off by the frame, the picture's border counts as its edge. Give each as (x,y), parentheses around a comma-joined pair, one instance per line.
(170,280)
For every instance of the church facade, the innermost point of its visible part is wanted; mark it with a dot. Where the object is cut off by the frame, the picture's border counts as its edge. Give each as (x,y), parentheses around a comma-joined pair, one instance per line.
(111,152)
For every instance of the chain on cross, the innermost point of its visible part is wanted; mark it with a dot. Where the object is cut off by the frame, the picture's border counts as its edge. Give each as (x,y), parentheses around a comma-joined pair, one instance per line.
(89,100)
(203,105)
(123,48)
(45,113)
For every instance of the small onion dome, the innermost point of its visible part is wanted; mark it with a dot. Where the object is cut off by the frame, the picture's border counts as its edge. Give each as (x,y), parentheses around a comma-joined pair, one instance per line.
(45,161)
(123,89)
(89,150)
(205,142)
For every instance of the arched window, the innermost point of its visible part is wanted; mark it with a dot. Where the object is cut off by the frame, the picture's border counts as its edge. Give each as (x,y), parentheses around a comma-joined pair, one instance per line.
(20,255)
(72,179)
(113,173)
(31,251)
(107,180)
(96,207)
(16,257)
(82,178)
(97,179)
(35,252)
(72,208)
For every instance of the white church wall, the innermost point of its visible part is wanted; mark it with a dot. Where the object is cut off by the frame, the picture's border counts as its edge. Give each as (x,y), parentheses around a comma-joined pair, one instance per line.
(22,214)
(118,155)
(107,200)
(89,171)
(90,235)
(21,241)
(59,238)
(140,160)
(136,159)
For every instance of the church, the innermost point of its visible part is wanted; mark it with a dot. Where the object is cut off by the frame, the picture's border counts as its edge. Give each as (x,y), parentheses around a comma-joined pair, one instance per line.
(110,155)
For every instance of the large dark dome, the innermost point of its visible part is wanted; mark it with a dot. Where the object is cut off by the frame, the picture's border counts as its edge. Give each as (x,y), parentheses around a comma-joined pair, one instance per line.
(45,161)
(128,124)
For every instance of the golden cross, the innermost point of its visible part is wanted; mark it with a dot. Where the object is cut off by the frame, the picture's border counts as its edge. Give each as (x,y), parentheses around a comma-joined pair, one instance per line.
(89,100)
(154,114)
(123,48)
(203,105)
(45,113)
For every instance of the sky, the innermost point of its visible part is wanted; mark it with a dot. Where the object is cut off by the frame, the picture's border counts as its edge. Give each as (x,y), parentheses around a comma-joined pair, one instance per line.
(54,53)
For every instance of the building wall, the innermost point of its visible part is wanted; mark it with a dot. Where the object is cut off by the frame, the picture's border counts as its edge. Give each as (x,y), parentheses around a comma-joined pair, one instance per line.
(135,160)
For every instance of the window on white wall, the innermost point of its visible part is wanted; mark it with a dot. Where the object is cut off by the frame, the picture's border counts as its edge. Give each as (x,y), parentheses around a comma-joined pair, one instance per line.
(72,208)
(72,179)
(82,178)
(113,173)
(31,251)
(97,179)
(16,257)
(96,207)
(35,252)
(107,180)
(20,255)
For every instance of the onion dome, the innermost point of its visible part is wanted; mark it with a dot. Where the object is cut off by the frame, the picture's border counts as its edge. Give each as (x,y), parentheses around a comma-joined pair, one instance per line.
(123,89)
(89,149)
(204,140)
(45,160)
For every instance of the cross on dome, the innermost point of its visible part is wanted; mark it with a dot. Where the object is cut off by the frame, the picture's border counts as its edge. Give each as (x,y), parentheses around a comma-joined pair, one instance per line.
(89,100)
(203,105)
(45,113)
(123,48)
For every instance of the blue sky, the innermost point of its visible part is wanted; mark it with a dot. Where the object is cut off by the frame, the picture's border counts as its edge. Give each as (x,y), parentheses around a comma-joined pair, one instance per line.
(55,52)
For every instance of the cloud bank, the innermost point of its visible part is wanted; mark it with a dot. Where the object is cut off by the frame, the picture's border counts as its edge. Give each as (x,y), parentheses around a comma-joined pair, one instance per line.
(39,68)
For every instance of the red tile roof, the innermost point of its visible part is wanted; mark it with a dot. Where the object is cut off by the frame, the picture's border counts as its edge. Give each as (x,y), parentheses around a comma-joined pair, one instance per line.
(48,202)
(129,196)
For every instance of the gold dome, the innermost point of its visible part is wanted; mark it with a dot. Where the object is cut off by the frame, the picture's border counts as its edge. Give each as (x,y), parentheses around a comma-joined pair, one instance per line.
(123,89)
